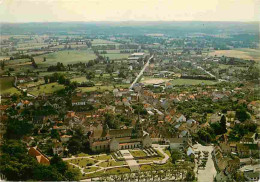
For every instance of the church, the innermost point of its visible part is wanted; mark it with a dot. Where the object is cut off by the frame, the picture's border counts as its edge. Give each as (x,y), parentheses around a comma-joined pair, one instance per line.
(104,139)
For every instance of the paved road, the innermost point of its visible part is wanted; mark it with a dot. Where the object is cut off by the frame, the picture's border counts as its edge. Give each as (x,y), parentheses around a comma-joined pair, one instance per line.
(207,72)
(207,174)
(141,73)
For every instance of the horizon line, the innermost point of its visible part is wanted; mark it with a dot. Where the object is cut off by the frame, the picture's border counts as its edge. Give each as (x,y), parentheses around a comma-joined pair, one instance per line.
(137,21)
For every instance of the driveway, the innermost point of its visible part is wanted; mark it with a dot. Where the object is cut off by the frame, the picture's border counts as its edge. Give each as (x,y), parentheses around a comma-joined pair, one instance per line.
(207,174)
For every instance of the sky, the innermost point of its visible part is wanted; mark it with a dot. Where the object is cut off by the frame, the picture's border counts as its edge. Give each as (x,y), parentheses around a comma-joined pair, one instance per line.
(128,10)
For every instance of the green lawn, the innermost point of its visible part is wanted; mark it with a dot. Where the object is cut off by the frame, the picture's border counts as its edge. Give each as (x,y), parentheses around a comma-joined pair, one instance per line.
(47,88)
(90,169)
(79,79)
(82,162)
(118,170)
(6,86)
(144,161)
(192,82)
(102,157)
(138,153)
(112,163)
(93,175)
(66,57)
(82,155)
(145,167)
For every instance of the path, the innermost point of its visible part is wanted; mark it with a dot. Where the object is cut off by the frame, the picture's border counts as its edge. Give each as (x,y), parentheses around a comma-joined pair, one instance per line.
(130,163)
(141,73)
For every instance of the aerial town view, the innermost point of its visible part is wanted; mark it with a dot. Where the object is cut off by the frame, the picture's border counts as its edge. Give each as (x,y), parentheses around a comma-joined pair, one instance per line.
(95,90)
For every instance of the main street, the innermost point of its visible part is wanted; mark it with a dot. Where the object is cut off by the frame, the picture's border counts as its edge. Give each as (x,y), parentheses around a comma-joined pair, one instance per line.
(141,73)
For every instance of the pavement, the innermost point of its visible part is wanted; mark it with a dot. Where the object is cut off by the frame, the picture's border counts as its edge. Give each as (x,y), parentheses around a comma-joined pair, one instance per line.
(141,73)
(207,174)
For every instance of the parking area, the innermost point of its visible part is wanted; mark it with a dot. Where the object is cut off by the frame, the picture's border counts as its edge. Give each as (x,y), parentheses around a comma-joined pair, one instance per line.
(207,173)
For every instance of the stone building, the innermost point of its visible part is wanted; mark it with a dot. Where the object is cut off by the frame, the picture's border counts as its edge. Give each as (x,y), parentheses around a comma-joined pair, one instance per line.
(105,139)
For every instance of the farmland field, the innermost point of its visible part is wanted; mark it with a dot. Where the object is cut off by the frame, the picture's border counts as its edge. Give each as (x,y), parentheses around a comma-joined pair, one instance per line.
(6,86)
(116,55)
(47,88)
(148,80)
(66,57)
(101,41)
(79,79)
(102,88)
(238,53)
(192,82)
(4,58)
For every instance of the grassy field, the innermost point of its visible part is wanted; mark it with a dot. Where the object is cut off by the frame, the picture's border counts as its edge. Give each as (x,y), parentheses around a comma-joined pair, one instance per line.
(102,157)
(112,163)
(102,88)
(102,41)
(4,57)
(47,88)
(238,53)
(90,169)
(82,155)
(152,80)
(79,79)
(192,82)
(6,86)
(116,56)
(118,170)
(145,167)
(138,153)
(65,57)
(83,162)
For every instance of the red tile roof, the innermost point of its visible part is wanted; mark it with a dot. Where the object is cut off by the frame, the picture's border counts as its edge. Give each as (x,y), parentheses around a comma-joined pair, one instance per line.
(39,156)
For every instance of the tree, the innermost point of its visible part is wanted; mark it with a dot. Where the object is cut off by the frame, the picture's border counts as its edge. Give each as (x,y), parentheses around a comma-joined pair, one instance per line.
(90,75)
(55,134)
(190,176)
(74,145)
(204,135)
(16,128)
(16,164)
(223,124)
(242,115)
(2,65)
(46,79)
(60,165)
(176,155)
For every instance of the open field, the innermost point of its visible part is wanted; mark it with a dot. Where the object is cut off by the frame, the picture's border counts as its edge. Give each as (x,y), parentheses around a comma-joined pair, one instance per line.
(101,41)
(224,66)
(116,55)
(83,162)
(102,88)
(112,163)
(79,79)
(47,88)
(6,86)
(4,58)
(90,169)
(151,80)
(138,153)
(238,53)
(192,82)
(119,170)
(65,57)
